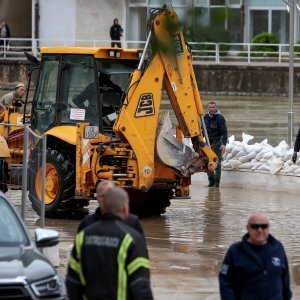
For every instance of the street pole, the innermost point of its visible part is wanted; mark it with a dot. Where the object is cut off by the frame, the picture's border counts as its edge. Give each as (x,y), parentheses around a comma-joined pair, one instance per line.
(291,75)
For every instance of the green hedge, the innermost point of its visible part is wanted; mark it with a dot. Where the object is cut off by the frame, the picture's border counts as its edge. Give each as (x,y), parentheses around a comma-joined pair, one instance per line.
(266,50)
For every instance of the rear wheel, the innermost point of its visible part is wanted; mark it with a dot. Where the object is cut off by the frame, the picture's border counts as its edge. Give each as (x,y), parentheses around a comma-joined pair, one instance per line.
(152,203)
(59,183)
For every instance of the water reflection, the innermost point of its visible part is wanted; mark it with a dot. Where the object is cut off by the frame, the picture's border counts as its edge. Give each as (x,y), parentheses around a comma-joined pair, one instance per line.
(212,217)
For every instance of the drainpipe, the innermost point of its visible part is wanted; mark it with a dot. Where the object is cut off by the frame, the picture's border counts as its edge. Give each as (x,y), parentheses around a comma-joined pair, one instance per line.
(34,25)
(291,75)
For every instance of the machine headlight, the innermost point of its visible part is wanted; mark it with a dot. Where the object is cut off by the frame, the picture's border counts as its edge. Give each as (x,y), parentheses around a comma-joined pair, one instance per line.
(48,287)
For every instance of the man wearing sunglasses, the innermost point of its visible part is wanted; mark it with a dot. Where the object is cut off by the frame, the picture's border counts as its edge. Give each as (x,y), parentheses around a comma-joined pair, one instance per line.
(256,267)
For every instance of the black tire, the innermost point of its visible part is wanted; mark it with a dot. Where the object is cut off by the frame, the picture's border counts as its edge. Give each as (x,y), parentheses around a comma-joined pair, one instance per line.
(152,203)
(60,204)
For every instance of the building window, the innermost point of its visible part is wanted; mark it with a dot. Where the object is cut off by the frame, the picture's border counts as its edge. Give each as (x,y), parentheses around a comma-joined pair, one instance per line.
(280,25)
(272,21)
(258,22)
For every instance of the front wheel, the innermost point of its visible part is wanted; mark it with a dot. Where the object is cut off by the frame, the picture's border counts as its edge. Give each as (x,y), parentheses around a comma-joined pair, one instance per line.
(59,183)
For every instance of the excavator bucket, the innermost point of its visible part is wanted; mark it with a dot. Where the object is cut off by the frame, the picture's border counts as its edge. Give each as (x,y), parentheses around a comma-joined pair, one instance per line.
(169,150)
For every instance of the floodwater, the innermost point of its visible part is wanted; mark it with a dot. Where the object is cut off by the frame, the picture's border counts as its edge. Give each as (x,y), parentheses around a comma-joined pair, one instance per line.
(187,244)
(259,116)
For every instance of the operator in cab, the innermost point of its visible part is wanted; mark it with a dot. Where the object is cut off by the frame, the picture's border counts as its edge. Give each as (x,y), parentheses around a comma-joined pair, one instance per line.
(88,94)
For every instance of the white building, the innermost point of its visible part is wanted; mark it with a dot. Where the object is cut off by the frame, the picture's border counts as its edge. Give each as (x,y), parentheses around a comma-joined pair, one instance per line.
(91,19)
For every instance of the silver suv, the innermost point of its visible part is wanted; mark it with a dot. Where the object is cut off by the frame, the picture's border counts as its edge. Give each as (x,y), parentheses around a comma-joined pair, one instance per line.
(25,272)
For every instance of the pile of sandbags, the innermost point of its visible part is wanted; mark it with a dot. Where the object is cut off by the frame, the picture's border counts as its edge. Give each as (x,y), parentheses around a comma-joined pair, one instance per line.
(260,157)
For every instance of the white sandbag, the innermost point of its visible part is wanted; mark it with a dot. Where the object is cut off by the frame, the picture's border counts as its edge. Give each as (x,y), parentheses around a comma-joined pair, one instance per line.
(243,159)
(251,155)
(265,144)
(246,138)
(290,170)
(256,165)
(247,166)
(288,155)
(231,139)
(281,149)
(275,165)
(297,172)
(256,147)
(236,150)
(278,152)
(288,162)
(263,160)
(261,153)
(268,154)
(232,164)
(241,153)
(226,165)
(229,156)
(264,167)
(228,148)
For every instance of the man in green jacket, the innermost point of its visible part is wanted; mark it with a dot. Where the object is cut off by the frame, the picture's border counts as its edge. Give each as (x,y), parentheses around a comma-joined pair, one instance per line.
(18,93)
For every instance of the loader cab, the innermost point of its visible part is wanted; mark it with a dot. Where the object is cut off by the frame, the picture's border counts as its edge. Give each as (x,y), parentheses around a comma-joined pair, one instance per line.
(70,89)
(62,78)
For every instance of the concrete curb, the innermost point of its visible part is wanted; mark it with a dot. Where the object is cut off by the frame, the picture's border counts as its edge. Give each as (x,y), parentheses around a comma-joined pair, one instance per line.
(254,180)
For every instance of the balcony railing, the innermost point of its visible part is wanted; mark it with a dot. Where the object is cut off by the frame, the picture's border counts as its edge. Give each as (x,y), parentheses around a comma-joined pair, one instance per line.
(216,53)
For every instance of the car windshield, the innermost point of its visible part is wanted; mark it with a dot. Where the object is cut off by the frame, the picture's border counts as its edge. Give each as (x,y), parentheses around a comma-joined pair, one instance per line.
(11,230)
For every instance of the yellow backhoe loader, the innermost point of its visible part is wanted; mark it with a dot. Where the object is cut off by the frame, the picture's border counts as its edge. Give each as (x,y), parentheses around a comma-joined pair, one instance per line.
(100,110)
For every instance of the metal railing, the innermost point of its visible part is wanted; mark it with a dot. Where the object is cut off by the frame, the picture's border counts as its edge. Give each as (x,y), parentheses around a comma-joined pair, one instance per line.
(217,53)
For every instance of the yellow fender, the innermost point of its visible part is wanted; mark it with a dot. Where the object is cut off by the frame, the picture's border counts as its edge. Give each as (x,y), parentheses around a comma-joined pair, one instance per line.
(64,133)
(4,151)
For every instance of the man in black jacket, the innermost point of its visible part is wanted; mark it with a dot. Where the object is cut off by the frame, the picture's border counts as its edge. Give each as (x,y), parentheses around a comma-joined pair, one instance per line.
(296,147)
(217,133)
(105,185)
(256,267)
(116,31)
(109,259)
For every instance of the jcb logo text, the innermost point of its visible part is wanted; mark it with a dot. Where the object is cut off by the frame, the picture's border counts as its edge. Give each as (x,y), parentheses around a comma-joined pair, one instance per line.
(145,106)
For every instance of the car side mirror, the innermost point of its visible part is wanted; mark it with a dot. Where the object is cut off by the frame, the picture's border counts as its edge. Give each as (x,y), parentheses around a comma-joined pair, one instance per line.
(46,237)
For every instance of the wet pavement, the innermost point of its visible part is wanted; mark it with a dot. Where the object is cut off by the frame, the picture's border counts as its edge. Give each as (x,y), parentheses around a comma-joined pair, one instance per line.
(187,244)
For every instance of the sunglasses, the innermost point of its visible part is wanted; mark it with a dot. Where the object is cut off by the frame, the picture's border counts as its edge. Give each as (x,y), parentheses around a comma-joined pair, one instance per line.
(256,226)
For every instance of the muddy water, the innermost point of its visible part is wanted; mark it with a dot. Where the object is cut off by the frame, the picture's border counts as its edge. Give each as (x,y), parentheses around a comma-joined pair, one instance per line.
(187,244)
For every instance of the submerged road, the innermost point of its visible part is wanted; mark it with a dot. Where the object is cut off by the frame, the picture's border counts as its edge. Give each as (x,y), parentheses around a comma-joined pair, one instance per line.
(187,244)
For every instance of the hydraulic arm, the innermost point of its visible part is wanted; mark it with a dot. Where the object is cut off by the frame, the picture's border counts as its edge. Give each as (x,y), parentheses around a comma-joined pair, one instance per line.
(169,68)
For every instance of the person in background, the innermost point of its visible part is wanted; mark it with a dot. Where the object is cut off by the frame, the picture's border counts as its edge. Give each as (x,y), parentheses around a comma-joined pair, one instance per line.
(4,153)
(109,259)
(256,267)
(18,94)
(296,147)
(217,134)
(4,33)
(104,186)
(116,31)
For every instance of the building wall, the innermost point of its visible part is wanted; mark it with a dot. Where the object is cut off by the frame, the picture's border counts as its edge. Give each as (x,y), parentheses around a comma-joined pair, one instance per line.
(93,21)
(79,19)
(57,19)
